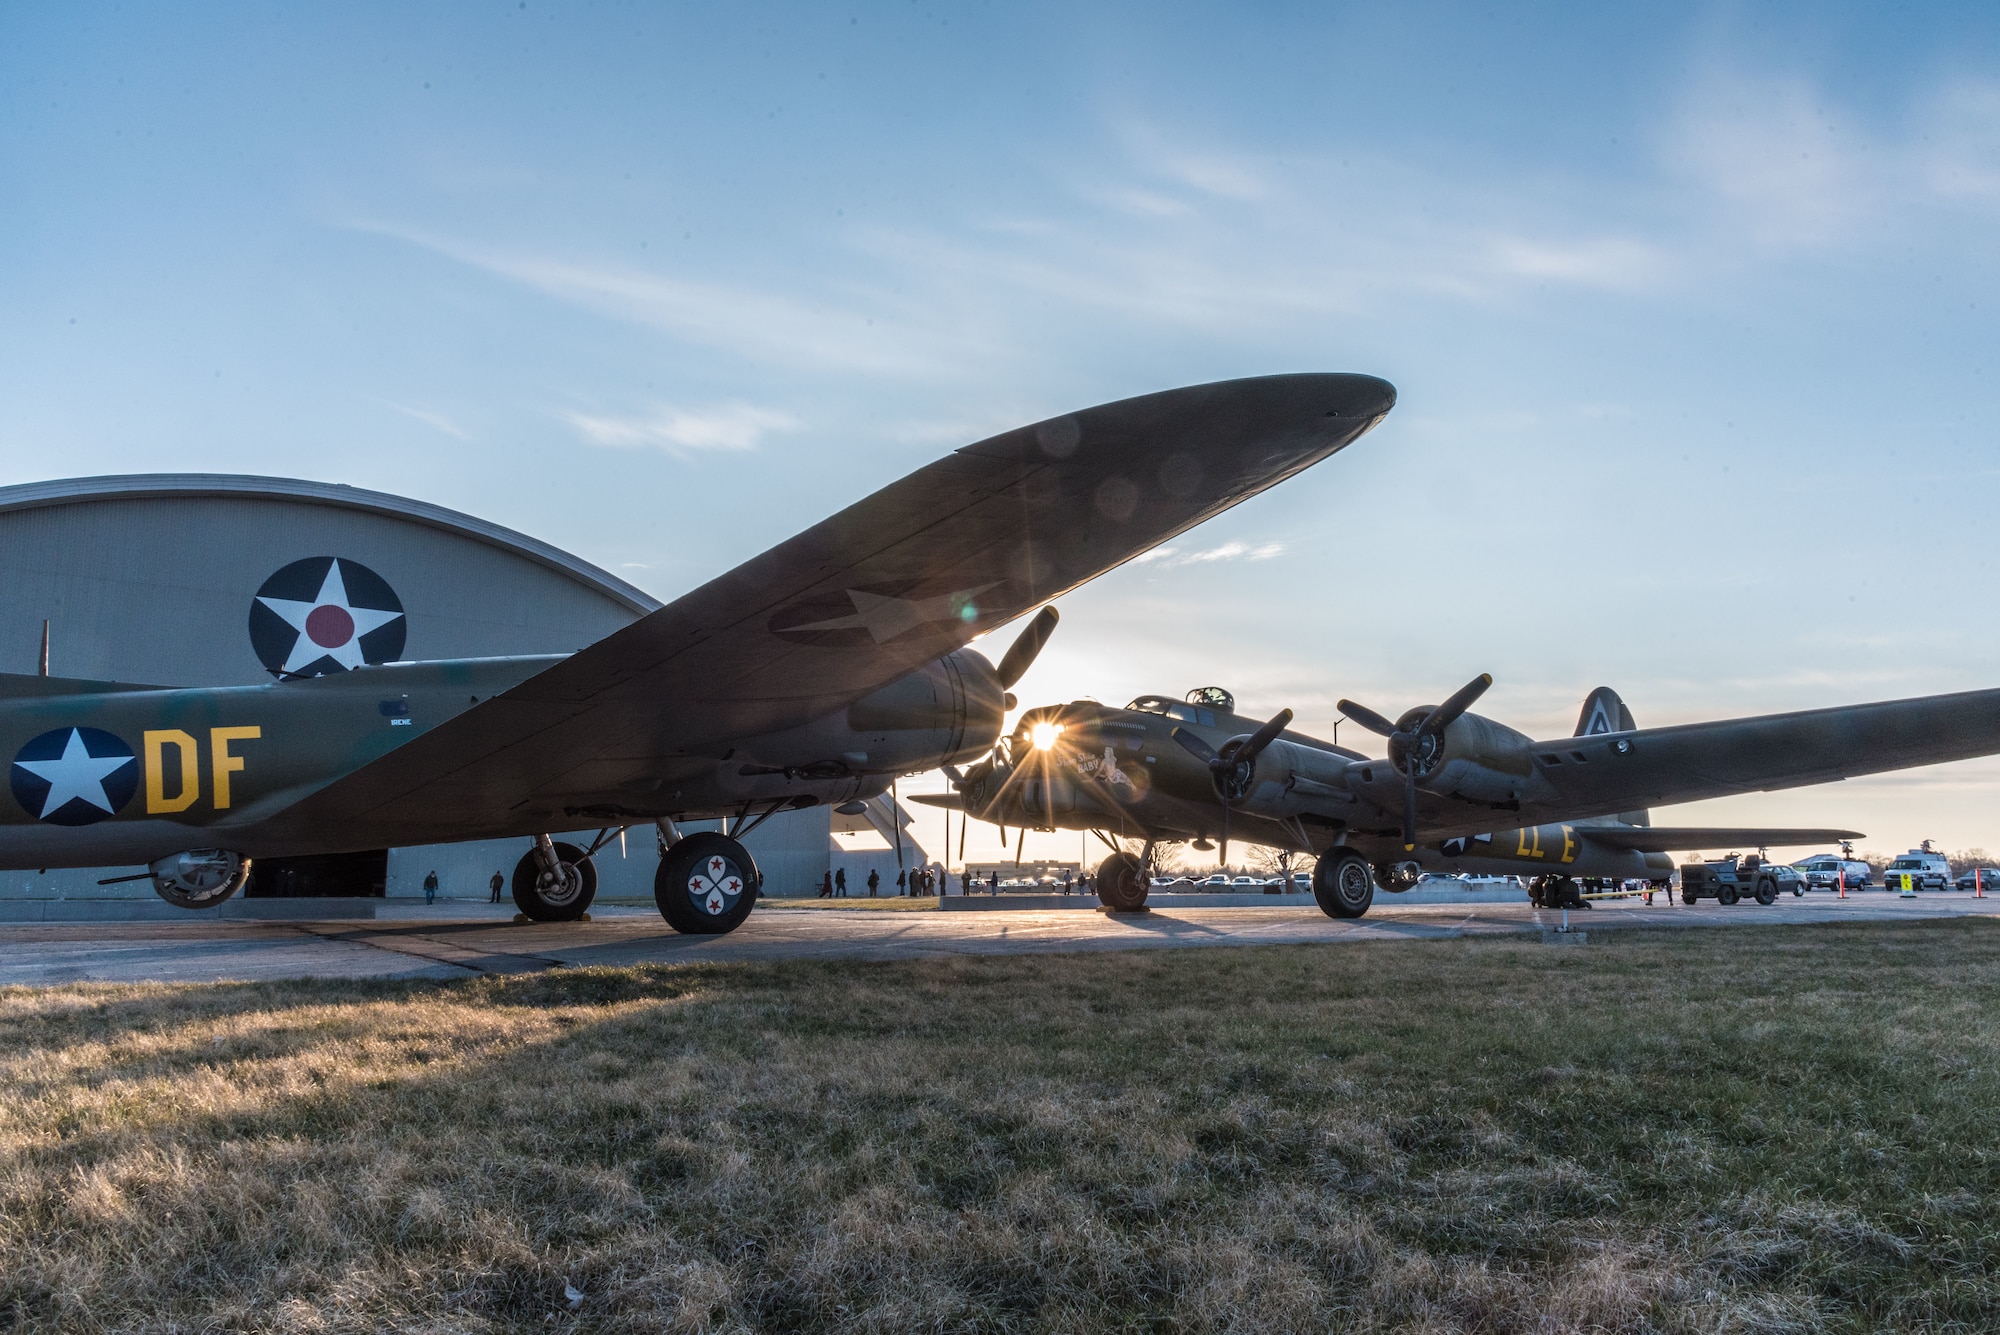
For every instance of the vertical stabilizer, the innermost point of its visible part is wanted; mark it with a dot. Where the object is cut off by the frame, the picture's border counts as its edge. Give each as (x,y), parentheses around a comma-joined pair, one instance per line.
(1603,712)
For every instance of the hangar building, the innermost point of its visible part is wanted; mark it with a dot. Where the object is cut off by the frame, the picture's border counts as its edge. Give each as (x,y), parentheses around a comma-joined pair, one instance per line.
(205,579)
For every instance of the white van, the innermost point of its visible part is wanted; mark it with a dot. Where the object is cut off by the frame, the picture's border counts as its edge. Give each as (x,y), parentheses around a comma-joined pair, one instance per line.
(1824,871)
(1924,868)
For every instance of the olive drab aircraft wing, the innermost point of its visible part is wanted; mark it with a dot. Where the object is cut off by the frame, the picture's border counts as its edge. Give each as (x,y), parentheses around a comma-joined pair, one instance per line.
(858,601)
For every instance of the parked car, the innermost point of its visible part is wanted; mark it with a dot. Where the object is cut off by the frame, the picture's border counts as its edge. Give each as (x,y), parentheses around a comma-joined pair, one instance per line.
(1246,883)
(1988,879)
(1824,872)
(1219,879)
(1921,868)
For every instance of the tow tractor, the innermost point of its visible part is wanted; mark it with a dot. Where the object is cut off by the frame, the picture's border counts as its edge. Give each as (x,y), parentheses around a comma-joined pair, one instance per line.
(1729,879)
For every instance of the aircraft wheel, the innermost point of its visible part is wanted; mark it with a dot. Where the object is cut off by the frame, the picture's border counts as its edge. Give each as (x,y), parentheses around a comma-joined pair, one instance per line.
(1767,894)
(562,898)
(706,884)
(1343,884)
(1726,896)
(1121,883)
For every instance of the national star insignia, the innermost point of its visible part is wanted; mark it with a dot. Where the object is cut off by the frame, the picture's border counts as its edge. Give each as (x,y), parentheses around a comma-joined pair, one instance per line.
(886,618)
(333,607)
(74,774)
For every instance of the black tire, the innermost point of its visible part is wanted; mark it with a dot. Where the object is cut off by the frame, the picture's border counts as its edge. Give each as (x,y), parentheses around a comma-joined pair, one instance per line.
(1767,894)
(1121,883)
(1688,896)
(1343,884)
(546,900)
(1798,891)
(706,884)
(1726,896)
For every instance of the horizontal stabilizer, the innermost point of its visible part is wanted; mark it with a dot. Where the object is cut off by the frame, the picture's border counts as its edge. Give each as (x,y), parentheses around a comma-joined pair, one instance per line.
(949,801)
(1692,838)
(22,686)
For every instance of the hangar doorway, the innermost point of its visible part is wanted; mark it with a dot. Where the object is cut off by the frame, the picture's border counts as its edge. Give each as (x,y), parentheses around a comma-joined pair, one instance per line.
(326,875)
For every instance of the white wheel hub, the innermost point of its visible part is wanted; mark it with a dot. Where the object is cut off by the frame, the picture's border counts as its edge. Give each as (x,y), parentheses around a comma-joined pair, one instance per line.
(715,885)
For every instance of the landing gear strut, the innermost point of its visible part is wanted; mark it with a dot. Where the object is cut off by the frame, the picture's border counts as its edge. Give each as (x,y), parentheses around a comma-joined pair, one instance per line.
(554,882)
(706,884)
(1343,883)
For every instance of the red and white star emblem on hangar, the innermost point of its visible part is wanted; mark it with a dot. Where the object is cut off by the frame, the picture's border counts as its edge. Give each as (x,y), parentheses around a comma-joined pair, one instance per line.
(325,614)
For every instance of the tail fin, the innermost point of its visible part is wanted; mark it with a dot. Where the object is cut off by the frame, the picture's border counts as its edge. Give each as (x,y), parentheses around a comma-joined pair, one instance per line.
(1603,711)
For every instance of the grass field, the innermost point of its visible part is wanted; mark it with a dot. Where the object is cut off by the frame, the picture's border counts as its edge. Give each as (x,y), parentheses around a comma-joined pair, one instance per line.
(1731,1129)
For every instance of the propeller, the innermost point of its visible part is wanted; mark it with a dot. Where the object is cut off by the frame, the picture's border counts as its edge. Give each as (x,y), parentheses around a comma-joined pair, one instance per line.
(1411,749)
(1020,655)
(1014,665)
(1232,766)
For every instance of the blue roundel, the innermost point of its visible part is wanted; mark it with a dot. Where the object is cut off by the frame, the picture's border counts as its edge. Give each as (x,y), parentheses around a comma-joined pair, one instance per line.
(74,776)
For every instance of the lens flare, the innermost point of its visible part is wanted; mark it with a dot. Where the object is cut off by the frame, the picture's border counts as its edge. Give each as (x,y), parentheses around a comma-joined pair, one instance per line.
(1044,735)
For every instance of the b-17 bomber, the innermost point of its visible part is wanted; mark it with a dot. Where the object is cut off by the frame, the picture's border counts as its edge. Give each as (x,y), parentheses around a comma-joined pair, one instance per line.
(814,673)
(1456,792)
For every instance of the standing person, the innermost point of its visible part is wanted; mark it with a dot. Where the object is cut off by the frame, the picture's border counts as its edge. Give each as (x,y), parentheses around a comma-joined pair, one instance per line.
(431,888)
(1065,880)
(964,881)
(902,884)
(826,886)
(874,881)
(840,883)
(495,884)
(995,883)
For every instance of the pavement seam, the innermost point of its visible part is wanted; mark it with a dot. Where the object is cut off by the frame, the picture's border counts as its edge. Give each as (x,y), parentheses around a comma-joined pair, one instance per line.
(419,946)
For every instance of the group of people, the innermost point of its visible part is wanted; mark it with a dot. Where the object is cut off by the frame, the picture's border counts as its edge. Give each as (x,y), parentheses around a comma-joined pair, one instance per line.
(918,881)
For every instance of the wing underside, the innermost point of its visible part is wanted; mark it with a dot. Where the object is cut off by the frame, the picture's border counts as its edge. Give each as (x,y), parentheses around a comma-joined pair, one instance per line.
(893,581)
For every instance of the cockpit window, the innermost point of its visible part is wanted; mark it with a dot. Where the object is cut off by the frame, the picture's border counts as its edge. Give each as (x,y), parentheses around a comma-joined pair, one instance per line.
(1214,697)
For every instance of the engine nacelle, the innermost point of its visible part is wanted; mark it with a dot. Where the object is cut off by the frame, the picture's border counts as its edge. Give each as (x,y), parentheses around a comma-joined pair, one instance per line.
(1476,760)
(946,712)
(1288,778)
(200,878)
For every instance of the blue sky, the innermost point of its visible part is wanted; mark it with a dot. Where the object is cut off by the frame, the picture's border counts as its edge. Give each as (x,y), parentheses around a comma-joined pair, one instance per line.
(1690,310)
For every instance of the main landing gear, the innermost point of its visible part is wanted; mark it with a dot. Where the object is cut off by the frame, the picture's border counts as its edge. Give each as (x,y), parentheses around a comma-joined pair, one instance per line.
(554,882)
(706,884)
(1556,892)
(1122,883)
(1343,883)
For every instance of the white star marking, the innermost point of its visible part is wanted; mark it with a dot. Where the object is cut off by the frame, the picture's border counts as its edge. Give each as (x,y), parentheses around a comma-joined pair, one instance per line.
(336,615)
(886,618)
(76,773)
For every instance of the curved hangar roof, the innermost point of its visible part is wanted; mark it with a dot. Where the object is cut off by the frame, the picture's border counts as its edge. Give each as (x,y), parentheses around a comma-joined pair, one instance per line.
(185,579)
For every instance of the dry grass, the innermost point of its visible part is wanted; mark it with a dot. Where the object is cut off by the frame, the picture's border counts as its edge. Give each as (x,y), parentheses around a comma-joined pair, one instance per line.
(1761,1130)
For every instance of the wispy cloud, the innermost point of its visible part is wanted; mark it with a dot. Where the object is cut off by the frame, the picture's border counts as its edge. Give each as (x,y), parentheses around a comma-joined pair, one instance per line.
(788,328)
(1170,558)
(729,426)
(436,421)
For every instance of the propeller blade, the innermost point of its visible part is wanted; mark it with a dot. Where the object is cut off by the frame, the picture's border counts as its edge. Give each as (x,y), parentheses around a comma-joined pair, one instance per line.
(1263,737)
(1196,747)
(1222,858)
(1461,700)
(1409,808)
(1367,718)
(955,774)
(1021,654)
